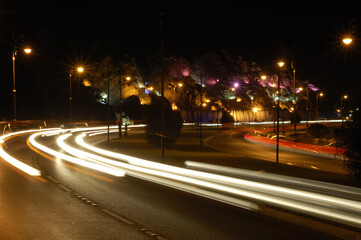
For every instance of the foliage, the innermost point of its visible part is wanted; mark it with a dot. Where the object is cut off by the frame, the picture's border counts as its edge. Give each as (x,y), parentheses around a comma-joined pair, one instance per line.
(133,108)
(352,147)
(318,130)
(172,123)
(226,117)
(220,81)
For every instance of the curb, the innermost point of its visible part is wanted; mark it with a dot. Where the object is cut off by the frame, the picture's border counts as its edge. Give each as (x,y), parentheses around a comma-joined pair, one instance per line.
(269,143)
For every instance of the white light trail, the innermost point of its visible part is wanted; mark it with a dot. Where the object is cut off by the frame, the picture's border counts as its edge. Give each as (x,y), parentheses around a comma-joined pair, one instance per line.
(312,197)
(98,167)
(312,203)
(13,161)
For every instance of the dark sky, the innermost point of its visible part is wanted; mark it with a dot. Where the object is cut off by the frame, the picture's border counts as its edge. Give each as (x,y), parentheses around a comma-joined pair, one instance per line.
(63,33)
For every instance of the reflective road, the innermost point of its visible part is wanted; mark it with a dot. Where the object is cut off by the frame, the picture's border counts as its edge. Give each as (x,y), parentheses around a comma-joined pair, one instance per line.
(81,186)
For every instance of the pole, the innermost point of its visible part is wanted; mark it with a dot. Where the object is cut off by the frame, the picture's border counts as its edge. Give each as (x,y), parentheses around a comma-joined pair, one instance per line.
(278,116)
(294,99)
(341,113)
(201,112)
(317,106)
(162,88)
(70,98)
(108,99)
(121,108)
(307,108)
(14,89)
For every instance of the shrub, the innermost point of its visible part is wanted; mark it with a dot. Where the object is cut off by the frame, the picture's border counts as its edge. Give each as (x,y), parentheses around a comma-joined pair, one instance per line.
(172,123)
(226,117)
(352,147)
(318,130)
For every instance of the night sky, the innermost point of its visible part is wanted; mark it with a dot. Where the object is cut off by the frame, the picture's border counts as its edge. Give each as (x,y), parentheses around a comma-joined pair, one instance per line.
(63,33)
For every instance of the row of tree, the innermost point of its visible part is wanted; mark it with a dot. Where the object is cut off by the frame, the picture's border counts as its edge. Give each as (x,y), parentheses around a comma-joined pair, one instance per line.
(213,82)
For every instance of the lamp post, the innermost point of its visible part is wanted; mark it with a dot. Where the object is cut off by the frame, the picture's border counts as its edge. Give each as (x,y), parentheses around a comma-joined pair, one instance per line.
(294,99)
(274,107)
(343,97)
(280,64)
(14,53)
(255,109)
(317,103)
(121,104)
(307,108)
(79,70)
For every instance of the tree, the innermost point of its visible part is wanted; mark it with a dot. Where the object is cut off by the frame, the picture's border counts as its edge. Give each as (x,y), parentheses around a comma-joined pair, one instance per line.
(352,146)
(172,124)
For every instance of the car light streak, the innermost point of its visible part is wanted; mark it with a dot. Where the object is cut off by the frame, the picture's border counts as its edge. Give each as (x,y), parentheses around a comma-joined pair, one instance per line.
(326,206)
(335,189)
(245,184)
(13,161)
(98,167)
(244,189)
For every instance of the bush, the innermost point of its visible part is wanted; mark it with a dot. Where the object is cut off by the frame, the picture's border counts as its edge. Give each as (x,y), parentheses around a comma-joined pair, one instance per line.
(132,108)
(172,123)
(352,147)
(226,117)
(318,130)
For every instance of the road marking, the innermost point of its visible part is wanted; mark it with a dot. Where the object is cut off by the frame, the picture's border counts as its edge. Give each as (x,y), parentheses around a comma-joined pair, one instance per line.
(119,217)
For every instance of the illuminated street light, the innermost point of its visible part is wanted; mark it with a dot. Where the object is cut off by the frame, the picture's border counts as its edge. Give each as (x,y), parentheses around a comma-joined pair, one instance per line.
(255,109)
(263,77)
(79,70)
(27,50)
(121,81)
(14,53)
(343,97)
(347,41)
(280,64)
(317,103)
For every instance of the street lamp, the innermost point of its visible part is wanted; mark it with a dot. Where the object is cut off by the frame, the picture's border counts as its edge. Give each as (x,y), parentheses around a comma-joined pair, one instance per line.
(343,97)
(317,103)
(14,53)
(347,41)
(121,81)
(280,64)
(255,109)
(72,71)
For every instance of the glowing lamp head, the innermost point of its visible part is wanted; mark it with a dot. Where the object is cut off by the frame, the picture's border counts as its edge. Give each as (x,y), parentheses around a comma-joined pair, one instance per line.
(345,96)
(263,77)
(27,50)
(180,84)
(128,78)
(281,64)
(80,69)
(347,41)
(236,85)
(255,109)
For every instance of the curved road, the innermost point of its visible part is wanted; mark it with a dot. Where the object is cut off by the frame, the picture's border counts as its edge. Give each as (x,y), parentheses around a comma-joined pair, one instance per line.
(86,204)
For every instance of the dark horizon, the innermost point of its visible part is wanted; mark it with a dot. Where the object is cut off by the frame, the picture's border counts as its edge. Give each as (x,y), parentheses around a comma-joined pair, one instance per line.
(66,33)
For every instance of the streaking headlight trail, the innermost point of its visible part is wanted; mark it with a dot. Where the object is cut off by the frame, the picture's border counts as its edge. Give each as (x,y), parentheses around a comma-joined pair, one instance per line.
(13,161)
(245,188)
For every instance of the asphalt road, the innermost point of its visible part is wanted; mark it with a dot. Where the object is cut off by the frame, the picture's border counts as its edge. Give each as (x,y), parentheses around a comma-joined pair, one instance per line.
(233,142)
(70,202)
